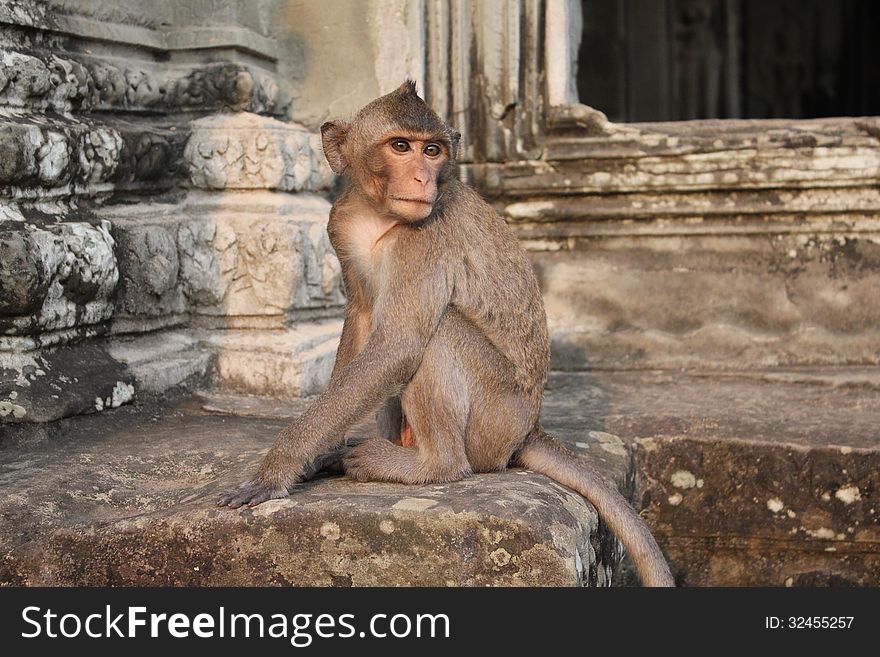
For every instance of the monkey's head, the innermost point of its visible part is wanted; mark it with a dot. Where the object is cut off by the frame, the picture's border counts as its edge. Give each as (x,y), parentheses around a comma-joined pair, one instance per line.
(396,151)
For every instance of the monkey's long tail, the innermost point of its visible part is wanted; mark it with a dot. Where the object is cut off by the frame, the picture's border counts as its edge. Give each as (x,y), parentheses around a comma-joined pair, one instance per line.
(542,453)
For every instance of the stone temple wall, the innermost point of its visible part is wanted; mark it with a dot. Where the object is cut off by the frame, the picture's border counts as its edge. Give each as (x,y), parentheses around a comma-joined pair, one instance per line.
(160,221)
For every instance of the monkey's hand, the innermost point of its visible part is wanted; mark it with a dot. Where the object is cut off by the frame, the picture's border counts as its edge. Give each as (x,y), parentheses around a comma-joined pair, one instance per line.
(252,493)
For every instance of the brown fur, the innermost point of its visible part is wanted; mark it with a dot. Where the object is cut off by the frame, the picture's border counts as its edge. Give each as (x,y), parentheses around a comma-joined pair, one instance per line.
(444,329)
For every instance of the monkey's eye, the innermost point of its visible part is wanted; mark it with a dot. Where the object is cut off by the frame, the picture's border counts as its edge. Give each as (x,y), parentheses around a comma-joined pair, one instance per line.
(432,150)
(400,145)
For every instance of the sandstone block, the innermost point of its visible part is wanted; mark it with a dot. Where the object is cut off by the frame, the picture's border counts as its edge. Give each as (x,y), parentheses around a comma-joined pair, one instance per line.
(263,255)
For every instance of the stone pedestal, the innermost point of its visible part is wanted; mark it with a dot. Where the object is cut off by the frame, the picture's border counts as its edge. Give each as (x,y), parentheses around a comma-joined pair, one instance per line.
(159,221)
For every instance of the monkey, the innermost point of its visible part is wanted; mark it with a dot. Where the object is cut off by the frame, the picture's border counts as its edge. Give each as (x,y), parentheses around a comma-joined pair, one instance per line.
(444,331)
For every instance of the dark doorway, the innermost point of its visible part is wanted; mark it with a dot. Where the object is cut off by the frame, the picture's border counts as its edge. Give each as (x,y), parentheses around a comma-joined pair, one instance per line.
(670,60)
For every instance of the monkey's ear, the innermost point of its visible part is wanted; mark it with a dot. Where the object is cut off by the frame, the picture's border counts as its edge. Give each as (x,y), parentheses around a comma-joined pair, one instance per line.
(454,139)
(333,134)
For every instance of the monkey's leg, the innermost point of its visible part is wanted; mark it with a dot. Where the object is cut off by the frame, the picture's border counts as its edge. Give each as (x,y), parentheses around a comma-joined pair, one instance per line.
(436,408)
(501,413)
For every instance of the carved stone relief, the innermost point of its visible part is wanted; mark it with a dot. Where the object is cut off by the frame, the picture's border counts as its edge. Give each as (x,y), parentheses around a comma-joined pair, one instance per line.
(247,151)
(76,82)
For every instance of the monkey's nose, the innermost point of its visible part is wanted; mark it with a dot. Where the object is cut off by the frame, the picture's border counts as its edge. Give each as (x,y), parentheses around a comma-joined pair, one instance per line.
(421,175)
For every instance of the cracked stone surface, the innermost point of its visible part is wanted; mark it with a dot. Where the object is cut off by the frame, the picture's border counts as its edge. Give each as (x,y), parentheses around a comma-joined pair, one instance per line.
(55,278)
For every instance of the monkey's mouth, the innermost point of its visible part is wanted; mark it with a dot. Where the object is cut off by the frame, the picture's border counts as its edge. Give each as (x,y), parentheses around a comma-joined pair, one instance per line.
(413,200)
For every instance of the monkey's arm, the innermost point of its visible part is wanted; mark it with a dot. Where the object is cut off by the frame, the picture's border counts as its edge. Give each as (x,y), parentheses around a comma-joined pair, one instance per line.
(354,334)
(406,314)
(356,326)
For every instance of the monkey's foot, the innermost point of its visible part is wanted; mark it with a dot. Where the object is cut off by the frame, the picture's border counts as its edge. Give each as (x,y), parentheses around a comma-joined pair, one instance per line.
(378,459)
(381,460)
(252,493)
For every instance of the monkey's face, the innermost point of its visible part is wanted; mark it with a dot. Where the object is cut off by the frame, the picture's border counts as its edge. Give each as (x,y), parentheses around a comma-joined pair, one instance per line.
(409,169)
(395,153)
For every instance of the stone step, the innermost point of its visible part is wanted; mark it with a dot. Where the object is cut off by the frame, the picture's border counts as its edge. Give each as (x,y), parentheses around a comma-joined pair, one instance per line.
(127,498)
(750,478)
(669,293)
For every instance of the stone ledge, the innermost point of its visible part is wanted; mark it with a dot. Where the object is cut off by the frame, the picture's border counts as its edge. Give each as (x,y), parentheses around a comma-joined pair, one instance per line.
(128,499)
(286,364)
(105,372)
(52,383)
(71,81)
(730,211)
(688,156)
(59,156)
(54,156)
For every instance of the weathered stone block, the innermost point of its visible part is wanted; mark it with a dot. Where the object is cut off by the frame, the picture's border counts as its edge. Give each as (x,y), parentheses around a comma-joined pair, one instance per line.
(62,155)
(763,478)
(249,255)
(246,255)
(149,270)
(24,283)
(748,512)
(688,300)
(59,276)
(54,383)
